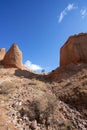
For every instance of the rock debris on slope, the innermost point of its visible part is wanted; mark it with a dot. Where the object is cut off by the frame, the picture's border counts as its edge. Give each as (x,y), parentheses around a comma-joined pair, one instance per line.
(56,101)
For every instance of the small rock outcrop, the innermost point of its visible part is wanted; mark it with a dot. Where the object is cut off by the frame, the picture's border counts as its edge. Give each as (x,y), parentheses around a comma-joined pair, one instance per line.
(13,57)
(74,50)
(2,53)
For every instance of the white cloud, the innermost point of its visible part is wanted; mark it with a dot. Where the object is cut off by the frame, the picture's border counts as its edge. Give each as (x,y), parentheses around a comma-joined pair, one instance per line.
(83,12)
(70,7)
(62,14)
(65,11)
(32,66)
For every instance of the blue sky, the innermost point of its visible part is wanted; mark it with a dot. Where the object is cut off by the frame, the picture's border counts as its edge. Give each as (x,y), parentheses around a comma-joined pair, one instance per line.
(40,28)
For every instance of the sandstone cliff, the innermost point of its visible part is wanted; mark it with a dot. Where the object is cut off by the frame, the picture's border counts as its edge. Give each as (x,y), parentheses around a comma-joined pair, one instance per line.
(13,58)
(2,53)
(74,50)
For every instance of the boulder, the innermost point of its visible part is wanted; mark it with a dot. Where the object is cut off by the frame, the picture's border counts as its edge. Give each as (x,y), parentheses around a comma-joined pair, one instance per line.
(2,53)
(13,57)
(74,50)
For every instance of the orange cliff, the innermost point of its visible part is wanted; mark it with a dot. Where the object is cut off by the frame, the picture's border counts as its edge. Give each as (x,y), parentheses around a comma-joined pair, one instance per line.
(74,50)
(2,53)
(12,58)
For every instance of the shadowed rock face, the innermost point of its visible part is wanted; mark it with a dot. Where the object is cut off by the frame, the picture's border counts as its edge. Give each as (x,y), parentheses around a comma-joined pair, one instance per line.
(74,50)
(2,53)
(13,57)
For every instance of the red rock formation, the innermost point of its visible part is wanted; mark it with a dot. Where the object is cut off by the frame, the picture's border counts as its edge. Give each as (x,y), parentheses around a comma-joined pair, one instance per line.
(13,57)
(74,50)
(2,53)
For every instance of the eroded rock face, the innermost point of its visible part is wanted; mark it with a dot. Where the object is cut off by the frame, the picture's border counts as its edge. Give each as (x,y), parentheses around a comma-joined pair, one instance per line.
(74,50)
(2,53)
(13,57)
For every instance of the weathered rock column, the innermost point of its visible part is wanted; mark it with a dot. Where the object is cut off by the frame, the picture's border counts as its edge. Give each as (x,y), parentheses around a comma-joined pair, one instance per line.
(13,57)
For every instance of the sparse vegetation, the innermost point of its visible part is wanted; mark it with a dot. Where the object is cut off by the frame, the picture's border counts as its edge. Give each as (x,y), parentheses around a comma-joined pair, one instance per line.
(83,77)
(40,109)
(68,84)
(65,125)
(84,83)
(30,99)
(32,83)
(7,87)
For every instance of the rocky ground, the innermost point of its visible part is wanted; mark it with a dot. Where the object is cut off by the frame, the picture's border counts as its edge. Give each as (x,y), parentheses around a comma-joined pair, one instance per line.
(56,101)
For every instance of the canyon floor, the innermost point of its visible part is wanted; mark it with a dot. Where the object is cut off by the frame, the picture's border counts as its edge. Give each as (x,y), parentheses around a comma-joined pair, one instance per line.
(54,101)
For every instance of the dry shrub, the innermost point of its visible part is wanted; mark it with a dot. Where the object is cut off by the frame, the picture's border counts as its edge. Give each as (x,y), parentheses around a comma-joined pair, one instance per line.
(65,125)
(6,87)
(41,109)
(84,83)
